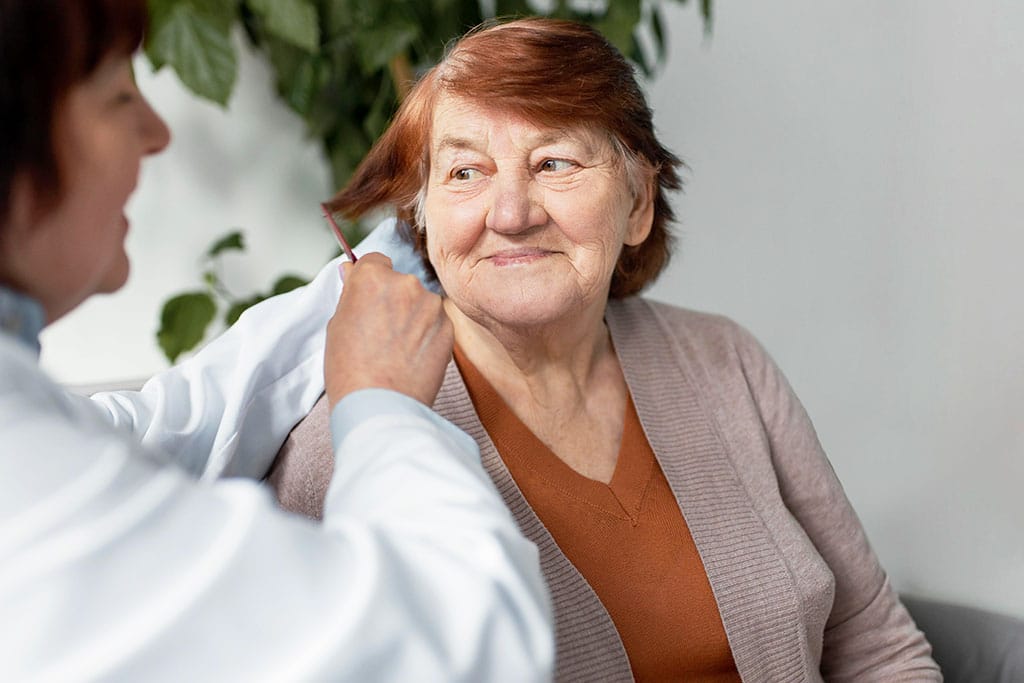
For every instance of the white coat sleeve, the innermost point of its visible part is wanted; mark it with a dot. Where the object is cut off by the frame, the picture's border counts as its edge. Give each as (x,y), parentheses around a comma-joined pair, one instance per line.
(113,567)
(227,410)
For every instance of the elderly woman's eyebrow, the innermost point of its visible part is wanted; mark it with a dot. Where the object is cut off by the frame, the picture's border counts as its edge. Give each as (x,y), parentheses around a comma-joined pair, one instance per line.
(454,142)
(549,137)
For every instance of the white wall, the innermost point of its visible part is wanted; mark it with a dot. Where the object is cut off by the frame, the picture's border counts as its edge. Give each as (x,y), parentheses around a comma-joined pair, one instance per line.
(853,200)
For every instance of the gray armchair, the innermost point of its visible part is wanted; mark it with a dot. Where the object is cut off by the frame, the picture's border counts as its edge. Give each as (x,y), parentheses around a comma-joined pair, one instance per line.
(971,645)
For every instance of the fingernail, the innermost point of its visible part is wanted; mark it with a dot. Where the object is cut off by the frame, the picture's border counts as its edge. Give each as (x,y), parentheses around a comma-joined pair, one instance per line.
(341,272)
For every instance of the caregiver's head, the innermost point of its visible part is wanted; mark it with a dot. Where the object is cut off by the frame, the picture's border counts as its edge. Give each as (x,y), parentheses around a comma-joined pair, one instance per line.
(527,168)
(73,129)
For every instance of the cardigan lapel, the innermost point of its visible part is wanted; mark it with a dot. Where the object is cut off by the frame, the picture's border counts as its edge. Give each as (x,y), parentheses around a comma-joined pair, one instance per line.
(751,582)
(587,643)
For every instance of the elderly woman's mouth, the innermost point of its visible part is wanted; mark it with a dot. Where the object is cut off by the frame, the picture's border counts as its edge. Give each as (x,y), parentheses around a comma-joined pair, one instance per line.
(518,257)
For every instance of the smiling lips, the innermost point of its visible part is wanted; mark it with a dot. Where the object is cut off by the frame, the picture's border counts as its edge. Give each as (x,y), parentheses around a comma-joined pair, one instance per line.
(518,257)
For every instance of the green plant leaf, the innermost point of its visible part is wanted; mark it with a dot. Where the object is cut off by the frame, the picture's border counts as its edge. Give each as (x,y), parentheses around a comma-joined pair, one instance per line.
(303,86)
(230,241)
(619,23)
(221,13)
(443,7)
(197,45)
(658,33)
(287,283)
(512,8)
(376,46)
(706,12)
(237,308)
(293,21)
(376,120)
(183,322)
(300,75)
(339,16)
(345,150)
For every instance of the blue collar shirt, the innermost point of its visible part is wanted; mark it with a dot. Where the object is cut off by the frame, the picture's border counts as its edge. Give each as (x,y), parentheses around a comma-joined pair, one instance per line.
(22,317)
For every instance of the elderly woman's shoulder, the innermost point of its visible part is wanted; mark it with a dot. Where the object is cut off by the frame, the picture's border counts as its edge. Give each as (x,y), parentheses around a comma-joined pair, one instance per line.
(720,355)
(700,327)
(713,347)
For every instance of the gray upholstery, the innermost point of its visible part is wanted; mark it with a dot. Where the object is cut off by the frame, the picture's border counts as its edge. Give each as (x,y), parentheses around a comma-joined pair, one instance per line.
(971,645)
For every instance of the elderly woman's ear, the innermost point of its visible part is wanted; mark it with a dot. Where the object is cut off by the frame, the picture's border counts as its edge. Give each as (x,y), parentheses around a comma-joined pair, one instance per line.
(641,218)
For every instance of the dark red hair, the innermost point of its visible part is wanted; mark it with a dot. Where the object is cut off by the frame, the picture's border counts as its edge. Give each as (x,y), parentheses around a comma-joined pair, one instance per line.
(47,47)
(551,72)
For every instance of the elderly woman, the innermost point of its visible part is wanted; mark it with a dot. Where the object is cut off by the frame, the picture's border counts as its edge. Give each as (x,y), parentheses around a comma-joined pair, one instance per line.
(690,525)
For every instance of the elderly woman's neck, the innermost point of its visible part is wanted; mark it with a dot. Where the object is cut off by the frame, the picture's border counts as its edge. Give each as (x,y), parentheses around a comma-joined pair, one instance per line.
(571,349)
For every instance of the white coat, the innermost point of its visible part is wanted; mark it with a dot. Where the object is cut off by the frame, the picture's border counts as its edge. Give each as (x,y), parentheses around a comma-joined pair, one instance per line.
(115,565)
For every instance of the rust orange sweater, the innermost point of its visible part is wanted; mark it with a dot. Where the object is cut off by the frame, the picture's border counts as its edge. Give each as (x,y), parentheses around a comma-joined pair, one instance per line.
(628,539)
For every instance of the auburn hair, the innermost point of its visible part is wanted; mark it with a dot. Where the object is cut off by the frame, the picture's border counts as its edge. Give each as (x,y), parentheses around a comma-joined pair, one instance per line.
(551,72)
(46,48)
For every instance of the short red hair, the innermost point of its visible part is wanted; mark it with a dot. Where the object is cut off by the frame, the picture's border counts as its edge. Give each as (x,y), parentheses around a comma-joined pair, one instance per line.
(552,73)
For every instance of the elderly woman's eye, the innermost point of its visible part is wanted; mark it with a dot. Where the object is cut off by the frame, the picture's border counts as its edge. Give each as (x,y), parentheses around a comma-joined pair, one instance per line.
(555,165)
(465,173)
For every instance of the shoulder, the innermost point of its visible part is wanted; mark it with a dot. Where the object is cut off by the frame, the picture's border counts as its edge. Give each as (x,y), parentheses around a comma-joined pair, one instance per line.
(701,337)
(22,384)
(37,414)
(719,358)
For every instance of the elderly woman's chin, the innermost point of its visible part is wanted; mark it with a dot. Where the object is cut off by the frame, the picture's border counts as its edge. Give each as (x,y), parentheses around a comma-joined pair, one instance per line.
(527,303)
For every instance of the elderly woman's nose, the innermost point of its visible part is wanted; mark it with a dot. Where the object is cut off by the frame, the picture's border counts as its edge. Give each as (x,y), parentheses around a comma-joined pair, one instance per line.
(514,207)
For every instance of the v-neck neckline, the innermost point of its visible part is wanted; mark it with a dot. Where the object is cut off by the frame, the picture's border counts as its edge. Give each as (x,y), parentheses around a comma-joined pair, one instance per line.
(635,465)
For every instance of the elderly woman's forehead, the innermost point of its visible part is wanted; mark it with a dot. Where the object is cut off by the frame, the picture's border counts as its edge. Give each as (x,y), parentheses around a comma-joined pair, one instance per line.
(456,120)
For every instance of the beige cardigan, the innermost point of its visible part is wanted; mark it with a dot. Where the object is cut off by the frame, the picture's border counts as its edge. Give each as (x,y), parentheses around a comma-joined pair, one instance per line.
(801,594)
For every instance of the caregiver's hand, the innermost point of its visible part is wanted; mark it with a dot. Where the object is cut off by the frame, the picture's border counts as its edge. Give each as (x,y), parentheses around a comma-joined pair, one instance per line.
(387,332)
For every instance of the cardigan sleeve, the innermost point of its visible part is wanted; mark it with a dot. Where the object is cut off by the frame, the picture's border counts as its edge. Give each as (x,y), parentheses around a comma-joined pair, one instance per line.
(869,635)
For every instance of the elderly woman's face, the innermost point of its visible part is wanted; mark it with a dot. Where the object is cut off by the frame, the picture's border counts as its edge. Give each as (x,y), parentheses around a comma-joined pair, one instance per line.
(525,223)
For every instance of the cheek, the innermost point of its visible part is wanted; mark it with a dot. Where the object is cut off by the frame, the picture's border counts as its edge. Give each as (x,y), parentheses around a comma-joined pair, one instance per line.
(598,228)
(101,196)
(453,230)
